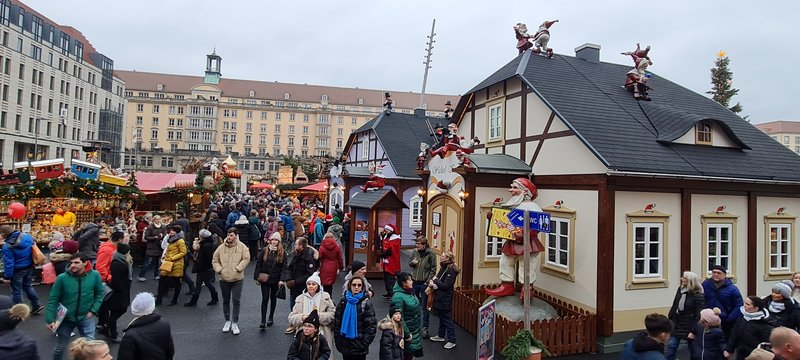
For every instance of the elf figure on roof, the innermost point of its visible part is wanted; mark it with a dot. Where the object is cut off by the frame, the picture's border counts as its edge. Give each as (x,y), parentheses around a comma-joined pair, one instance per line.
(636,79)
(542,37)
(523,192)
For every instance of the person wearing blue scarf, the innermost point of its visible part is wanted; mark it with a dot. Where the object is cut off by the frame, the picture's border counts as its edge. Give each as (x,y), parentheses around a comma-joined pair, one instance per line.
(354,323)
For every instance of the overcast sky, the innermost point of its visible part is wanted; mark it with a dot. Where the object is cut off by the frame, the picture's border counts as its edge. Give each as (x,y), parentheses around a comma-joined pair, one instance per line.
(381,44)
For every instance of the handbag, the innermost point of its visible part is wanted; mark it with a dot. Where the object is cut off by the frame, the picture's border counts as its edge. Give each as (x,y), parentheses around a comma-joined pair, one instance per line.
(108,292)
(166,266)
(263,278)
(37,256)
(281,294)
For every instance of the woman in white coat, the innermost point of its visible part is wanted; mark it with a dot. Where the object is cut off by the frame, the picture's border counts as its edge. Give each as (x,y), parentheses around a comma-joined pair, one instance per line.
(314,298)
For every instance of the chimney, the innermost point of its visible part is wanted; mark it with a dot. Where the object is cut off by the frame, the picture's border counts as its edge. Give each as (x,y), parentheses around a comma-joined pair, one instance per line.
(419,112)
(589,52)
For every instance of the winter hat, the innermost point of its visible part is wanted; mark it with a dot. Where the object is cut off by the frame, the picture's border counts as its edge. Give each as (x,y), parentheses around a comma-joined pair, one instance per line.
(242,220)
(123,249)
(275,236)
(143,304)
(711,316)
(526,186)
(394,309)
(357,265)
(204,233)
(6,302)
(783,289)
(312,319)
(176,228)
(328,218)
(720,268)
(56,246)
(70,246)
(315,279)
(336,220)
(13,316)
(391,227)
(57,236)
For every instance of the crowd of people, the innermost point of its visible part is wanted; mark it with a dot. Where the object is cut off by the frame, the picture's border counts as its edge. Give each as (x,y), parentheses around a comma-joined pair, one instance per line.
(298,253)
(719,323)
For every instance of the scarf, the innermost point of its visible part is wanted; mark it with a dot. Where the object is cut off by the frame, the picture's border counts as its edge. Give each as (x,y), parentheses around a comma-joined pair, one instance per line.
(124,259)
(272,248)
(350,318)
(175,238)
(312,302)
(682,300)
(758,315)
(776,307)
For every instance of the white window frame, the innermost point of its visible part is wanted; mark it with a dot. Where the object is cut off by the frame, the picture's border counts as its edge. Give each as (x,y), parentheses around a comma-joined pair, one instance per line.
(561,218)
(646,220)
(415,212)
(647,257)
(495,122)
(784,224)
(365,148)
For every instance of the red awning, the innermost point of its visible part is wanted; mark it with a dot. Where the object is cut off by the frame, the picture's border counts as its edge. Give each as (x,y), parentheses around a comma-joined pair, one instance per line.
(261,186)
(319,186)
(152,183)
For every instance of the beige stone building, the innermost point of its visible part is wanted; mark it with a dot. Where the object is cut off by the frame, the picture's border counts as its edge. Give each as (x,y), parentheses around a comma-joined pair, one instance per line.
(57,92)
(784,132)
(171,119)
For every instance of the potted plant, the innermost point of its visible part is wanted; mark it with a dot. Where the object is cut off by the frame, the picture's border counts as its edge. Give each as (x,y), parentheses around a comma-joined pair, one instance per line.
(524,346)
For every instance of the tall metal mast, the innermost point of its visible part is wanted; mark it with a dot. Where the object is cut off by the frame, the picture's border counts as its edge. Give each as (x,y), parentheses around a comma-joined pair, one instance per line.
(427,63)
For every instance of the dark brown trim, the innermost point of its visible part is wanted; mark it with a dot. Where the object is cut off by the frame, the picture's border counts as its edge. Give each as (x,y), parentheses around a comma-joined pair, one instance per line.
(605,259)
(752,242)
(471,105)
(468,235)
(523,120)
(686,230)
(557,134)
(713,187)
(569,181)
(541,142)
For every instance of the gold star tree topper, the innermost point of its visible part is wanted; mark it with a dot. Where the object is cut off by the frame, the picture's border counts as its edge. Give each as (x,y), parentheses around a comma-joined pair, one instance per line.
(722,54)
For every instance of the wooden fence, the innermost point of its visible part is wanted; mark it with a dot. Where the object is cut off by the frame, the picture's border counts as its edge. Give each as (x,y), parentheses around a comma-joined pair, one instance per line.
(573,332)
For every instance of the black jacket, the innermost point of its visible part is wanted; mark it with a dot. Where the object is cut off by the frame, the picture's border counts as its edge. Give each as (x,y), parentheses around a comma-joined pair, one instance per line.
(684,321)
(303,350)
(147,338)
(217,227)
(365,313)
(300,268)
(121,297)
(746,335)
(205,255)
(18,346)
(244,232)
(153,236)
(390,342)
(444,281)
(271,266)
(789,317)
(89,240)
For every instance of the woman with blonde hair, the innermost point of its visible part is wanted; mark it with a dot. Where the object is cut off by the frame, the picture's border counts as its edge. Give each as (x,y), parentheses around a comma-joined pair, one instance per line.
(443,284)
(85,349)
(685,312)
(796,286)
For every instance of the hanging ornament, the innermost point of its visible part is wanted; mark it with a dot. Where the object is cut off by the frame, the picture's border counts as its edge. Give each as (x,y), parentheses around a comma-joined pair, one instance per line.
(116,190)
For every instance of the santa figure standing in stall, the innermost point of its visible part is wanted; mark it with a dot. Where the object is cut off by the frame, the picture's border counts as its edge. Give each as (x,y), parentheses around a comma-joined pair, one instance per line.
(523,192)
(390,257)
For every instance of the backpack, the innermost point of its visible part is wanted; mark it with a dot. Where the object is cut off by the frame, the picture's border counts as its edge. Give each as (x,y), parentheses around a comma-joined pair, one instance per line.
(254,229)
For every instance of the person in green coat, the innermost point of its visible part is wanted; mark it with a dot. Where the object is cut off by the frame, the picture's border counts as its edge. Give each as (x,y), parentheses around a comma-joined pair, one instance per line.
(403,298)
(80,290)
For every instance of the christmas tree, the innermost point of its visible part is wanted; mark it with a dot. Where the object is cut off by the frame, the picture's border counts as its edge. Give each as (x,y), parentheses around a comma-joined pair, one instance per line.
(722,80)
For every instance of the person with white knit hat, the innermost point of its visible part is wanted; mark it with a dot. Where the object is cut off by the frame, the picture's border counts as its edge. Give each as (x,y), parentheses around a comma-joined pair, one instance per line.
(390,254)
(782,307)
(314,298)
(148,336)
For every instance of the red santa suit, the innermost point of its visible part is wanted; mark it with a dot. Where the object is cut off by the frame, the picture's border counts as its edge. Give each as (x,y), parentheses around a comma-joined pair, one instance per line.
(391,250)
(376,180)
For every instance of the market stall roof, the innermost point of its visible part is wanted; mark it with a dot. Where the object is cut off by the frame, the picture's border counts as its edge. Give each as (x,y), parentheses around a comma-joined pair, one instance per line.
(499,164)
(152,183)
(261,186)
(319,186)
(385,198)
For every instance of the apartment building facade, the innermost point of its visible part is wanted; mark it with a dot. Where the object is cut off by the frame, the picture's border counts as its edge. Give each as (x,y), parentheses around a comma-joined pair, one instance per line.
(58,94)
(172,120)
(784,132)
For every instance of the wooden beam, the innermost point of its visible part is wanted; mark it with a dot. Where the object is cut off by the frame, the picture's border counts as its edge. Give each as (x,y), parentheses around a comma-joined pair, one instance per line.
(523,120)
(468,235)
(752,242)
(605,259)
(686,230)
(541,142)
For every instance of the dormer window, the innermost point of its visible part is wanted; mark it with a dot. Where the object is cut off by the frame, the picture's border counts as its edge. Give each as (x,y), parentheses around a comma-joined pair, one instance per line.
(286,96)
(703,133)
(360,101)
(160,87)
(324,97)
(252,93)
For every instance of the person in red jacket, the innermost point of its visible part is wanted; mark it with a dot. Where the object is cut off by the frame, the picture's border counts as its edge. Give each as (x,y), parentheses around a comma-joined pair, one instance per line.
(330,262)
(391,257)
(104,256)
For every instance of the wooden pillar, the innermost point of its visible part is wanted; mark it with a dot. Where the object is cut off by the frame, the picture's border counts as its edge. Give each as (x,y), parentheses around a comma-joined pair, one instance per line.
(686,231)
(605,258)
(752,241)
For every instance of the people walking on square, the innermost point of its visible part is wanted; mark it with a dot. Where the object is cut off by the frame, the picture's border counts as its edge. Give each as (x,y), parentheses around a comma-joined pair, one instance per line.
(18,265)
(390,257)
(120,284)
(720,292)
(89,238)
(403,298)
(301,267)
(310,343)
(104,256)
(203,268)
(443,284)
(256,233)
(330,262)
(270,265)
(752,328)
(80,291)
(685,311)
(354,323)
(423,269)
(152,238)
(148,336)
(172,265)
(229,261)
(15,344)
(706,339)
(313,298)
(392,335)
(88,349)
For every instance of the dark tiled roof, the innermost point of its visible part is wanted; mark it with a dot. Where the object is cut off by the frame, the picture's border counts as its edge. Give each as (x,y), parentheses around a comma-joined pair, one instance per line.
(589,97)
(371,198)
(499,164)
(672,123)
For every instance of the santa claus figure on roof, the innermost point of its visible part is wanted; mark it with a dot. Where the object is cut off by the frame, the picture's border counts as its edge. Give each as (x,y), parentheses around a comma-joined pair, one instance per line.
(523,192)
(376,179)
